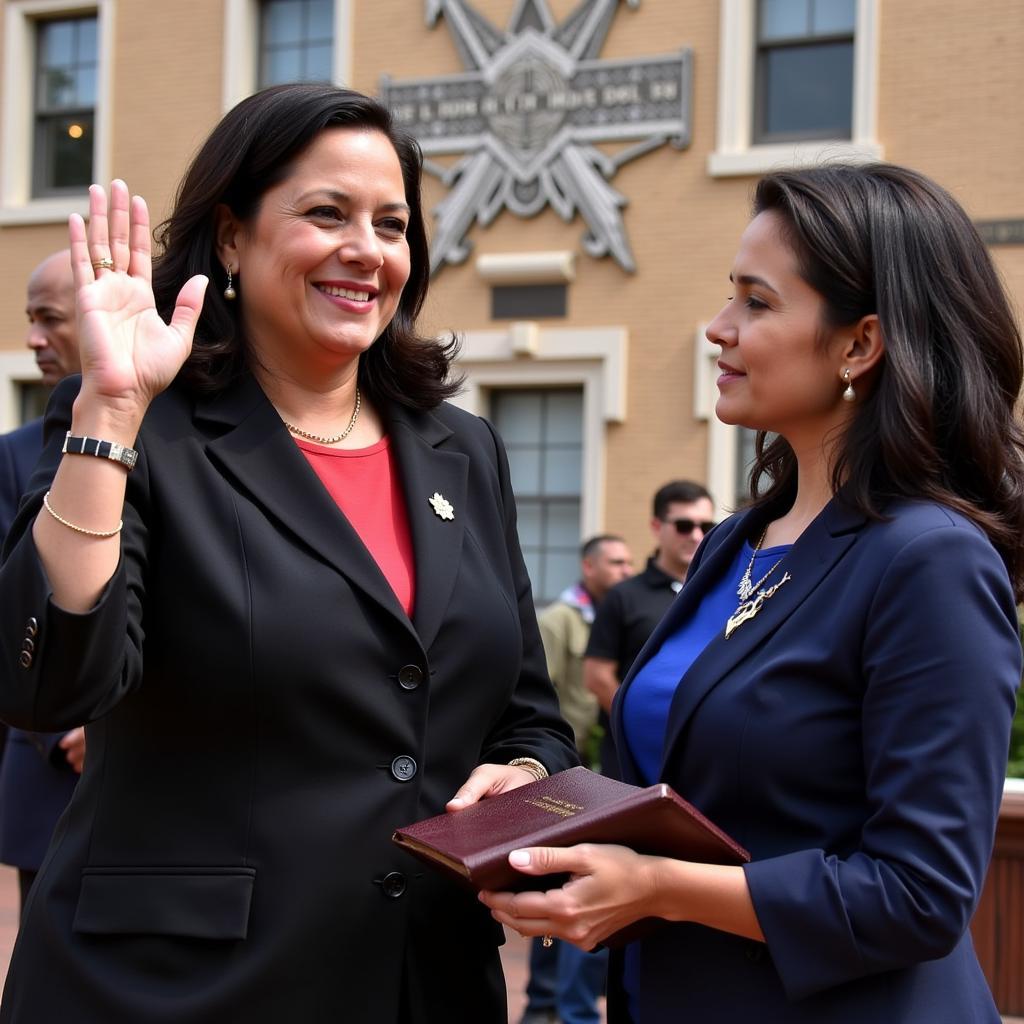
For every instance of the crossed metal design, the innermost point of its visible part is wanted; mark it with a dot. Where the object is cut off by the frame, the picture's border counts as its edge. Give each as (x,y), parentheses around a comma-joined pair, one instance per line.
(524,116)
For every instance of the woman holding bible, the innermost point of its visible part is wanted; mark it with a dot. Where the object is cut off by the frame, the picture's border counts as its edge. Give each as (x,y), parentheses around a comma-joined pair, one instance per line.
(281,581)
(835,684)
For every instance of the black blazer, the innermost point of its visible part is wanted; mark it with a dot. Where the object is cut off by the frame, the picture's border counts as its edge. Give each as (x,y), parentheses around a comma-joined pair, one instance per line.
(36,780)
(264,716)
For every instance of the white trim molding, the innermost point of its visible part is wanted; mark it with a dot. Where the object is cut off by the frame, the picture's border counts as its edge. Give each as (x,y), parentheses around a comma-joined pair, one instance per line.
(526,268)
(736,154)
(15,368)
(533,356)
(20,16)
(242,40)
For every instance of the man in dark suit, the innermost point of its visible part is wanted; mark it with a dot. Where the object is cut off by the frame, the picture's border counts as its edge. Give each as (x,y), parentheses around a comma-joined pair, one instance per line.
(39,770)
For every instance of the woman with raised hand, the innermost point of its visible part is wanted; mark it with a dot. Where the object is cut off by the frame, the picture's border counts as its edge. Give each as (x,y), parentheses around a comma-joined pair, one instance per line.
(835,684)
(279,576)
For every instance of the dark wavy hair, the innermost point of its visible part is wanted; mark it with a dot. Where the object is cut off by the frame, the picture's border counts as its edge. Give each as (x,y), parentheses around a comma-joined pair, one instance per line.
(251,150)
(939,422)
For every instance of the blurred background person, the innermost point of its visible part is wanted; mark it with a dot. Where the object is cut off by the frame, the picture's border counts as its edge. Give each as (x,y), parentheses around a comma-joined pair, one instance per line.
(564,981)
(682,512)
(38,771)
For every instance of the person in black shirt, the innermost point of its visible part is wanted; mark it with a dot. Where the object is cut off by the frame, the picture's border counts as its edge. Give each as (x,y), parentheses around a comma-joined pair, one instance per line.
(682,513)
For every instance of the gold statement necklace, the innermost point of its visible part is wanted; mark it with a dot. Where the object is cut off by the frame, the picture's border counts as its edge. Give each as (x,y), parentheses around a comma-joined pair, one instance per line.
(750,605)
(322,439)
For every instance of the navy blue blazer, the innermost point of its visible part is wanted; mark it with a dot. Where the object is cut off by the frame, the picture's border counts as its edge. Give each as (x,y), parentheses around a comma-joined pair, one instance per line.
(36,781)
(853,736)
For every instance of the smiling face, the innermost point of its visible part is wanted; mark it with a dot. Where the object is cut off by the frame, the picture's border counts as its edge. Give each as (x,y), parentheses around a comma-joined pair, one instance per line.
(321,265)
(776,374)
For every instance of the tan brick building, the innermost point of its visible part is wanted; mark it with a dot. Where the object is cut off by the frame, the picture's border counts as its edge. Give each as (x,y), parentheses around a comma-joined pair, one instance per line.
(606,399)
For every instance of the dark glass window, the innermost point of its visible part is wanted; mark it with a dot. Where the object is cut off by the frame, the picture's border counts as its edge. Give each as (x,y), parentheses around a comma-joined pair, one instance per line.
(32,399)
(67,62)
(543,434)
(804,73)
(296,41)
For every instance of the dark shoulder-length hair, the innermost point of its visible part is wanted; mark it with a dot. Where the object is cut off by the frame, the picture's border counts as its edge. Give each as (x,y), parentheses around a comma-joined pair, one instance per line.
(939,420)
(250,151)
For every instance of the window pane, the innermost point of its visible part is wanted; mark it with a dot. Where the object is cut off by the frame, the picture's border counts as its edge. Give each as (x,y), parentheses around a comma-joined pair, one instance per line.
(85,93)
(561,570)
(318,64)
(524,464)
(563,525)
(282,66)
(57,42)
(87,50)
(833,16)
(58,89)
(282,22)
(562,471)
(528,521)
(63,157)
(565,417)
(807,92)
(784,19)
(320,20)
(534,569)
(517,416)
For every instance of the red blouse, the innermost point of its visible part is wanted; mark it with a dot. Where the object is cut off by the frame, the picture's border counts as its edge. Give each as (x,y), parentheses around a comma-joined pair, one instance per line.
(364,484)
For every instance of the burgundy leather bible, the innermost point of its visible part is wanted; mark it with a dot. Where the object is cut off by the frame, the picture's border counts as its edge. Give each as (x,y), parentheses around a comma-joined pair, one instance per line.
(574,806)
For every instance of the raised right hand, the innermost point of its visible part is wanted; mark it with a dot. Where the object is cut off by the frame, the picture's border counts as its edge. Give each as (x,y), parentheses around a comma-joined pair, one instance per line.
(129,355)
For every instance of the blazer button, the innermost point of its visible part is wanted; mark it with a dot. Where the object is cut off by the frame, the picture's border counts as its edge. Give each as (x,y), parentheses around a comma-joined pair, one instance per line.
(28,645)
(410,676)
(25,659)
(403,768)
(32,626)
(393,884)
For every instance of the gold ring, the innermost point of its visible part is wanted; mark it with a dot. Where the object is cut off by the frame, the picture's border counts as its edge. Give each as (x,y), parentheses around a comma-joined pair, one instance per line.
(547,942)
(104,264)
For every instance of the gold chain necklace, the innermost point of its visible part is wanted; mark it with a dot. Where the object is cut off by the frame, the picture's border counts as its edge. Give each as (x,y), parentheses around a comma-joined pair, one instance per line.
(319,438)
(746,588)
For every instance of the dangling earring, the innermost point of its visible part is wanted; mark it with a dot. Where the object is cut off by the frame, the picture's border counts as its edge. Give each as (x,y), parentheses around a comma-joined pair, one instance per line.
(849,395)
(229,291)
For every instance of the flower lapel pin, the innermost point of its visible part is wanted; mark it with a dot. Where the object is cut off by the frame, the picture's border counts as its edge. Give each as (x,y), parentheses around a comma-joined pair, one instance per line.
(442,507)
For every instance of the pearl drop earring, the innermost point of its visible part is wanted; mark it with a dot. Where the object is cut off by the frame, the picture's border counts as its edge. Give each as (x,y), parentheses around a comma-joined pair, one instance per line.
(229,291)
(849,395)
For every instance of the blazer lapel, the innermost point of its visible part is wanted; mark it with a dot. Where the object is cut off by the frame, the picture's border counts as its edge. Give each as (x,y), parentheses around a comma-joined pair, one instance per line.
(255,448)
(427,469)
(809,563)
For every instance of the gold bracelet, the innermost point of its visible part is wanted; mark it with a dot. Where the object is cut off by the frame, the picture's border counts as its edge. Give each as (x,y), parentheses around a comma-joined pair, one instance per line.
(80,529)
(530,764)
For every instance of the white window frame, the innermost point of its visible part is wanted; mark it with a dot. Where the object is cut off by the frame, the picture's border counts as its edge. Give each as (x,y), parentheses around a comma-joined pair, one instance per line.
(242,41)
(15,368)
(736,154)
(529,355)
(19,54)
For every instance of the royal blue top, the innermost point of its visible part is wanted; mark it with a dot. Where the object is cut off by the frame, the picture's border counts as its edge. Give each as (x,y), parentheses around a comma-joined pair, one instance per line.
(649,697)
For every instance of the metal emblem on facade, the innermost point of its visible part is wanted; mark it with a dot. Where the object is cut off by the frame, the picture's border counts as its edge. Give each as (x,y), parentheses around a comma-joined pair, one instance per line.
(525,113)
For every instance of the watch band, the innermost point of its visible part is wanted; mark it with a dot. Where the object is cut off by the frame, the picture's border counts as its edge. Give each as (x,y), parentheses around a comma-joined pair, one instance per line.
(113,450)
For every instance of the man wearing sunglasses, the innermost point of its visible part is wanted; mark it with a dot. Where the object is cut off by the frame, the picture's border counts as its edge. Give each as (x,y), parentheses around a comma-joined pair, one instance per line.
(683,512)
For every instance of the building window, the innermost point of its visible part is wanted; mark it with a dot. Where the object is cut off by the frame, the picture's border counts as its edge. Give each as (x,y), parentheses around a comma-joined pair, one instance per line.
(804,75)
(543,434)
(296,41)
(32,398)
(797,83)
(67,63)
